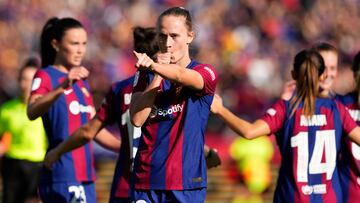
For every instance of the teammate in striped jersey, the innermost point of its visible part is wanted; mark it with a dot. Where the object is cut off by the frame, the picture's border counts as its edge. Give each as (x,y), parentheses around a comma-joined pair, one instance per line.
(350,152)
(172,111)
(61,96)
(308,130)
(114,109)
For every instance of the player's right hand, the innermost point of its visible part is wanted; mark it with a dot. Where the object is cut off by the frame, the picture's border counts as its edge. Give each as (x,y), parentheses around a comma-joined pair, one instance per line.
(76,73)
(50,158)
(143,61)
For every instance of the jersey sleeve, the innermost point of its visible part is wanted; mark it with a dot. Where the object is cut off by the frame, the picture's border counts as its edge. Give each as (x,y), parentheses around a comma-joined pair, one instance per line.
(106,112)
(140,81)
(275,116)
(210,77)
(347,122)
(41,83)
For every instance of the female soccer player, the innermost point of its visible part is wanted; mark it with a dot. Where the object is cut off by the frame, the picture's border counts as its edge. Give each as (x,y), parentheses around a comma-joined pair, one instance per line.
(308,131)
(350,153)
(115,108)
(331,57)
(173,112)
(61,96)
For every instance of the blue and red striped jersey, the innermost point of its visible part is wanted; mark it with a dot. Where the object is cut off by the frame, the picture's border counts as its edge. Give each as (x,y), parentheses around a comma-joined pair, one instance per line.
(310,147)
(171,148)
(115,109)
(350,154)
(69,112)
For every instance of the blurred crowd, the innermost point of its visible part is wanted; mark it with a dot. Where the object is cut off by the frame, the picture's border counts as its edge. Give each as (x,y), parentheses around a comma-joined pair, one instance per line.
(250,43)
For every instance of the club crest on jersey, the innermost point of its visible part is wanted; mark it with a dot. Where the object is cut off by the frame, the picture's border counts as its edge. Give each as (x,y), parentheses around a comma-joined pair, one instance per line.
(164,112)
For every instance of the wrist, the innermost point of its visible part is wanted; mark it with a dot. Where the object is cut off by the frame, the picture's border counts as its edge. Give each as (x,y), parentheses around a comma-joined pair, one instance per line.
(65,84)
(152,66)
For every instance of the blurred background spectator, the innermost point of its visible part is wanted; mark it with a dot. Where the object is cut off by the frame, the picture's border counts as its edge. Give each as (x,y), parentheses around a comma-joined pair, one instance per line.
(250,43)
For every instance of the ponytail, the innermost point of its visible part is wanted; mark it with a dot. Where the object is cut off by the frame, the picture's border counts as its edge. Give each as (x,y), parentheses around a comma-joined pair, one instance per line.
(308,67)
(47,52)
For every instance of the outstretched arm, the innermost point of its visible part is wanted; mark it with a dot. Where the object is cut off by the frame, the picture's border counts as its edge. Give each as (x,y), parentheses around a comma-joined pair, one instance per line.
(39,104)
(242,127)
(79,138)
(107,140)
(172,72)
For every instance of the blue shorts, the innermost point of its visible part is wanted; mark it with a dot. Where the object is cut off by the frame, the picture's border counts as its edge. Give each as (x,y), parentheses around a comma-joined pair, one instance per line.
(67,192)
(181,196)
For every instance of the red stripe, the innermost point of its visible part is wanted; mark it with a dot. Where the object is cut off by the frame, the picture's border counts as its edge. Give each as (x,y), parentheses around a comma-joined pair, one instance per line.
(123,188)
(173,176)
(143,171)
(89,101)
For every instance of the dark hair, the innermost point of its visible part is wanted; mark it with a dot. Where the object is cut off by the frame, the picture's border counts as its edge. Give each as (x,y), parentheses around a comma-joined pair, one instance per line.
(32,62)
(356,71)
(324,46)
(145,40)
(308,67)
(54,28)
(176,11)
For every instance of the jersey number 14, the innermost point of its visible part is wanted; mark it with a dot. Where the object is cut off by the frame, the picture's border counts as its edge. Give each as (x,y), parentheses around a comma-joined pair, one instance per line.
(324,143)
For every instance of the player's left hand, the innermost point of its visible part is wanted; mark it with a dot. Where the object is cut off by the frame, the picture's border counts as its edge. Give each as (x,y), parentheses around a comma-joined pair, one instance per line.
(50,158)
(212,159)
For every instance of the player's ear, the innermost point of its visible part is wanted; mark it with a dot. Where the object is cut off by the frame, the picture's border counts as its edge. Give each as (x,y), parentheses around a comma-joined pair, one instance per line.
(190,37)
(55,44)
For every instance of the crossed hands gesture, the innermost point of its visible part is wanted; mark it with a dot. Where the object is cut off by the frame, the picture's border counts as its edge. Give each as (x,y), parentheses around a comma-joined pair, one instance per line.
(76,73)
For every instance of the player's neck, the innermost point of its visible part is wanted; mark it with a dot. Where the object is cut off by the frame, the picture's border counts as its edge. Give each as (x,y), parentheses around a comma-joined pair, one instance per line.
(184,62)
(61,68)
